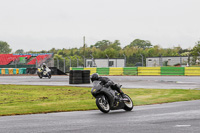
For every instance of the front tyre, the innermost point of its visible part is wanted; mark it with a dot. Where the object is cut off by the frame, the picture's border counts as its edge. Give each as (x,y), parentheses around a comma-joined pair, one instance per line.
(39,75)
(49,75)
(103,104)
(128,105)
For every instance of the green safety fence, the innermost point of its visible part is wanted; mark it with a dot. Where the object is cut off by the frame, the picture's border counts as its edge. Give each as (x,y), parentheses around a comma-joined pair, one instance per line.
(103,71)
(172,71)
(130,71)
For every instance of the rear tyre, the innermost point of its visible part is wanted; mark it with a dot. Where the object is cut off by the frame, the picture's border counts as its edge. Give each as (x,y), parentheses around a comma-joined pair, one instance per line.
(103,104)
(128,105)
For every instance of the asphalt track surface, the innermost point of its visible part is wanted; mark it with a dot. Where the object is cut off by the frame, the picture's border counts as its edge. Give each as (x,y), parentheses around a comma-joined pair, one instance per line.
(158,82)
(177,117)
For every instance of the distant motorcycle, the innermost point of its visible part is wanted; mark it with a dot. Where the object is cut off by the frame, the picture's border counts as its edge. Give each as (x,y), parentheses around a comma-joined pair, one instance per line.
(108,99)
(44,73)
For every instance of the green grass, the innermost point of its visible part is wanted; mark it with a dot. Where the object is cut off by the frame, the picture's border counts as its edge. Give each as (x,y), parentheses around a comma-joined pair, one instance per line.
(25,99)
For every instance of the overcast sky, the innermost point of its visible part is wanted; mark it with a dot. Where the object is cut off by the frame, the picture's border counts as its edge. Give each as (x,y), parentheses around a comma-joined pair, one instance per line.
(44,24)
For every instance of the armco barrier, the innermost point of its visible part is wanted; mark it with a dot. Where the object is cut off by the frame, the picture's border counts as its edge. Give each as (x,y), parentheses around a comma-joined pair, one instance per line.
(17,71)
(130,71)
(92,69)
(14,71)
(3,71)
(192,71)
(76,68)
(10,70)
(103,71)
(148,70)
(6,71)
(116,71)
(141,70)
(20,71)
(172,70)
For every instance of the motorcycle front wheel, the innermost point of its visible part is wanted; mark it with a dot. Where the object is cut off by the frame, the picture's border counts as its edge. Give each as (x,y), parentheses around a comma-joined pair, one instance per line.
(49,76)
(128,104)
(40,75)
(103,104)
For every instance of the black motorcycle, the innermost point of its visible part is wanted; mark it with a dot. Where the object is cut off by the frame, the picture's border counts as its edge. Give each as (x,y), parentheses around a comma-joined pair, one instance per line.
(44,73)
(108,99)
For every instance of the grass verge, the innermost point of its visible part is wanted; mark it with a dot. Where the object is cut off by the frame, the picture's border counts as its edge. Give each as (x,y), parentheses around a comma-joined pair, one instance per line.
(25,99)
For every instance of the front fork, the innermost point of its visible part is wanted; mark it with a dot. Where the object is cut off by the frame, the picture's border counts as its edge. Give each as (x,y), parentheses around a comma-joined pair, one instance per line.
(104,101)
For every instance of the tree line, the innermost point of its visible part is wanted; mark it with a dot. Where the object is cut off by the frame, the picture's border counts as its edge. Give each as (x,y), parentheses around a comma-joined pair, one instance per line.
(105,48)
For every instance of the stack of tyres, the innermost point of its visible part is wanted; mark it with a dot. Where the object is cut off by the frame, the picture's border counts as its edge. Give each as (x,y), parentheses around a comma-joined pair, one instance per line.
(86,76)
(75,77)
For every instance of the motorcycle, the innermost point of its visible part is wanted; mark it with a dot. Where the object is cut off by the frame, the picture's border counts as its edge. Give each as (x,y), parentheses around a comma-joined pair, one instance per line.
(44,73)
(108,99)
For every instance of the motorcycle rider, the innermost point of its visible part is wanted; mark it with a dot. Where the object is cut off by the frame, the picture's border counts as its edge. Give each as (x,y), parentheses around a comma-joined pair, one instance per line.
(107,82)
(43,67)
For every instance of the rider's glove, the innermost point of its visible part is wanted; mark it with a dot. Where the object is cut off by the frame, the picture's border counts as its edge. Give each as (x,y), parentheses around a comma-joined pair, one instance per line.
(106,85)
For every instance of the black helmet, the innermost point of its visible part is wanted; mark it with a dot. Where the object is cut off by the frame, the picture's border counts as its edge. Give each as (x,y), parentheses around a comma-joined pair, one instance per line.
(94,77)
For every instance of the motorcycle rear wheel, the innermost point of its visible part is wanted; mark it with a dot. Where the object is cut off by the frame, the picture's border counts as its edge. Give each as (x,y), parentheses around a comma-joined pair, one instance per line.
(128,105)
(103,104)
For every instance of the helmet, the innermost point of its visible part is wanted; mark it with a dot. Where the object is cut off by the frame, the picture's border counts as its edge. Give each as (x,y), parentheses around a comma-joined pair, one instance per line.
(44,65)
(94,77)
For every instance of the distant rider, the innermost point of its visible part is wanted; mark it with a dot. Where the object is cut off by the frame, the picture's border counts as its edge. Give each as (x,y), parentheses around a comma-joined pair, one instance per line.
(43,67)
(107,82)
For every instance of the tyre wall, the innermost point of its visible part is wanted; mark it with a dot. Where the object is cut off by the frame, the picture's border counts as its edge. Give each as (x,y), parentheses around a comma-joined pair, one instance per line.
(79,77)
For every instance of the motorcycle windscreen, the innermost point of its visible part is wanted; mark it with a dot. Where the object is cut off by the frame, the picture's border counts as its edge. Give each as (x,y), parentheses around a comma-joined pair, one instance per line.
(97,85)
(48,70)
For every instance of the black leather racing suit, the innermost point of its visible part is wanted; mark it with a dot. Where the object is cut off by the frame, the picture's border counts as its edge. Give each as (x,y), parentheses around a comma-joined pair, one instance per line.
(107,82)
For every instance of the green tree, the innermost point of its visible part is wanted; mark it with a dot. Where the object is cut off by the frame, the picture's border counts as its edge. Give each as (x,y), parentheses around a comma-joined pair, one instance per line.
(140,43)
(195,52)
(196,49)
(102,45)
(19,51)
(4,48)
(53,50)
(115,45)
